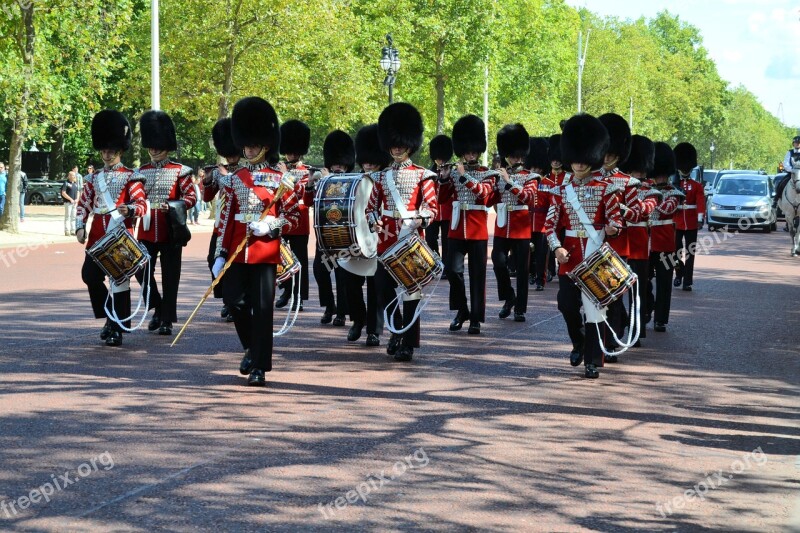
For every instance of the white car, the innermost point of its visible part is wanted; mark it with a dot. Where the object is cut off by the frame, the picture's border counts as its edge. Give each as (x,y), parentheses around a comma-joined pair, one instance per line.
(742,201)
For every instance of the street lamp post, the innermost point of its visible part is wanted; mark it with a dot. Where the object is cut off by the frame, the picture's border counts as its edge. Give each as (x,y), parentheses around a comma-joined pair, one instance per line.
(390,63)
(712,148)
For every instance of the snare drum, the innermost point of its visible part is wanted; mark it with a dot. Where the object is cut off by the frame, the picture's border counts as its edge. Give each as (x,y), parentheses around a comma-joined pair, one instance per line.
(412,263)
(603,276)
(118,254)
(289,265)
(340,222)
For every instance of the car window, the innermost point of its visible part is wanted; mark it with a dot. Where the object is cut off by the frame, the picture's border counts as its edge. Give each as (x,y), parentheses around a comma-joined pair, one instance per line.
(741,187)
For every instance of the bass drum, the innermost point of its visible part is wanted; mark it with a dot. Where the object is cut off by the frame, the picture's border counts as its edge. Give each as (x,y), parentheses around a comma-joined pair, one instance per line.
(340,222)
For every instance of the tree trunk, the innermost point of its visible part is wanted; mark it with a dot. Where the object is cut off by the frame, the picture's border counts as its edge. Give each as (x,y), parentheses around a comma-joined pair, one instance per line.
(227,83)
(57,155)
(440,79)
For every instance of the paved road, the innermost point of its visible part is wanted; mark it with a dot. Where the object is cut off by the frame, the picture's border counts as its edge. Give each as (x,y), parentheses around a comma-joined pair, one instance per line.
(695,431)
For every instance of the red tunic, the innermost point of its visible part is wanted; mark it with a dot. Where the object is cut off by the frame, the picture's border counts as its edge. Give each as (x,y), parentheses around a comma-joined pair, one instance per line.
(444,195)
(164,181)
(124,187)
(686,217)
(517,201)
(300,173)
(539,210)
(251,189)
(473,196)
(662,228)
(637,223)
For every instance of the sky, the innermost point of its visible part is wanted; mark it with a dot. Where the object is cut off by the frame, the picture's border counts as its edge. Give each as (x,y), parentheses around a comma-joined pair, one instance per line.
(755,43)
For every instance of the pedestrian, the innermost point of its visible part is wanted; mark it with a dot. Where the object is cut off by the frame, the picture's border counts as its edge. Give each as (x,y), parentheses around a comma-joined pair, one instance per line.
(78,177)
(194,214)
(69,193)
(23,191)
(3,183)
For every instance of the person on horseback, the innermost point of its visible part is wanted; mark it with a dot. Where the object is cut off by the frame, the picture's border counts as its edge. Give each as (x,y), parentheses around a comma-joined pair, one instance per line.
(792,158)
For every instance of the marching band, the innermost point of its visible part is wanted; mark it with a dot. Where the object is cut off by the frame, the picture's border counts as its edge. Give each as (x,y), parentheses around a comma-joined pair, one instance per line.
(595,202)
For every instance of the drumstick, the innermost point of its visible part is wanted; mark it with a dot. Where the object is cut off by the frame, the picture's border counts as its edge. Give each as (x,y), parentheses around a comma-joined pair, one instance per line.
(278,194)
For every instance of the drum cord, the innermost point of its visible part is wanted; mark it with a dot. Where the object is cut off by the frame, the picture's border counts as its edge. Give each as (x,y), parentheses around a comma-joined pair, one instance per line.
(293,310)
(635,324)
(424,299)
(113,314)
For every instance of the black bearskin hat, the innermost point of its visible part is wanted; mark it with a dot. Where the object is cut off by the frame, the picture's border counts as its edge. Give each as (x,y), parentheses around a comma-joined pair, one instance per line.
(513,141)
(584,140)
(111,131)
(641,158)
(620,134)
(295,137)
(664,161)
(441,147)
(400,124)
(368,147)
(223,141)
(158,131)
(338,149)
(538,153)
(469,135)
(685,157)
(554,147)
(255,123)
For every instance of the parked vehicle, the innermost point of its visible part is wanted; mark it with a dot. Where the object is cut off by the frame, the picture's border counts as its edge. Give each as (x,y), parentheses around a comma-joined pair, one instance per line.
(739,197)
(43,192)
(711,184)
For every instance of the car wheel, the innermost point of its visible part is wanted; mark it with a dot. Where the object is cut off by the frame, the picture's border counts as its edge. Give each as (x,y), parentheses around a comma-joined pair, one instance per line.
(767,229)
(774,225)
(36,199)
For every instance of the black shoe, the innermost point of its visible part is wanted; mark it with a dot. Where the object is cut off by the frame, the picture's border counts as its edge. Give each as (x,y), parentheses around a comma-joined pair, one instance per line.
(394,344)
(575,357)
(114,338)
(519,317)
(339,320)
(283,301)
(661,328)
(512,273)
(106,331)
(687,288)
(458,321)
(373,340)
(223,313)
(327,316)
(230,318)
(165,329)
(610,358)
(677,282)
(550,277)
(355,332)
(531,279)
(539,287)
(297,305)
(474,328)
(506,310)
(405,353)
(591,372)
(257,378)
(154,323)
(637,344)
(246,366)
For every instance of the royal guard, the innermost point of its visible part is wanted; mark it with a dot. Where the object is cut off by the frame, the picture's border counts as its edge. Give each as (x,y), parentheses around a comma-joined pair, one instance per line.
(215,186)
(372,160)
(113,196)
(469,235)
(638,166)
(165,181)
(514,196)
(587,209)
(689,215)
(662,234)
(295,140)
(441,151)
(557,171)
(249,284)
(538,164)
(339,156)
(403,201)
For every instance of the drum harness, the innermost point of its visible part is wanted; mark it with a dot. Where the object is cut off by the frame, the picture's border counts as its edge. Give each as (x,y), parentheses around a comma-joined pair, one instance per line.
(401,294)
(116,219)
(593,313)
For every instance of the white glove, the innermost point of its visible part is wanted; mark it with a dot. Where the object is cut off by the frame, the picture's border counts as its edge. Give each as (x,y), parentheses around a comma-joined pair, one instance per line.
(259,228)
(700,218)
(288,181)
(219,262)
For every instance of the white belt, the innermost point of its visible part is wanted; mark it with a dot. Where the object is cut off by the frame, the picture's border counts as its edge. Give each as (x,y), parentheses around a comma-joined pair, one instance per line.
(157,206)
(247,217)
(661,222)
(687,206)
(396,214)
(516,208)
(473,207)
(637,224)
(576,233)
(101,211)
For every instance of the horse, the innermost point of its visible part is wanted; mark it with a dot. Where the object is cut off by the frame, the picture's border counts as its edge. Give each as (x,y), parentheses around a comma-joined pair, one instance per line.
(789,203)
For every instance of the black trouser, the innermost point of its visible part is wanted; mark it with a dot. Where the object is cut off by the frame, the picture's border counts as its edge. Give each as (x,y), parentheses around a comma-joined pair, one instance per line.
(432,233)
(212,248)
(322,275)
(583,335)
(539,257)
(661,269)
(501,247)
(476,250)
(361,313)
(641,268)
(170,258)
(94,278)
(385,285)
(618,318)
(685,271)
(299,245)
(249,293)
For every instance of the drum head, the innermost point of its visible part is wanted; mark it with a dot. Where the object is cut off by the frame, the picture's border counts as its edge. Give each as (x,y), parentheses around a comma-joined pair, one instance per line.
(367,240)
